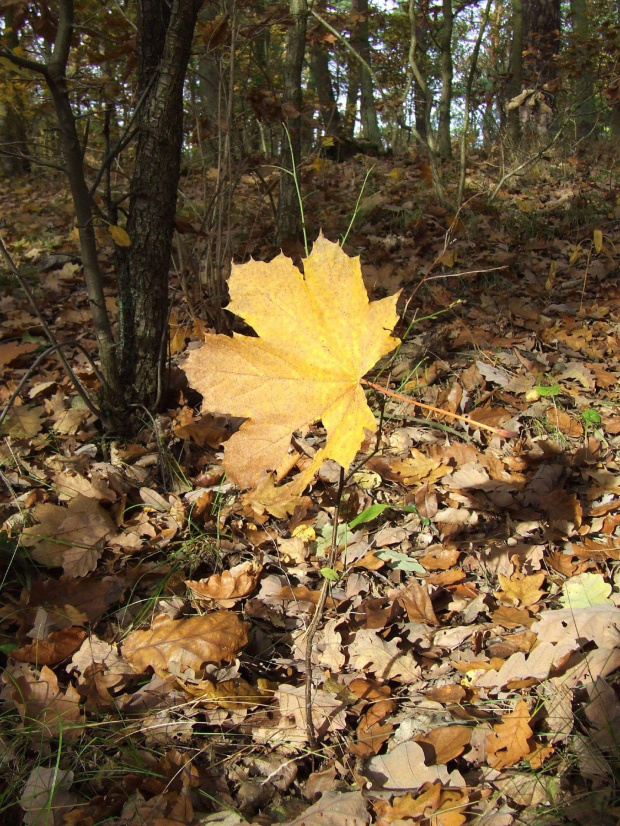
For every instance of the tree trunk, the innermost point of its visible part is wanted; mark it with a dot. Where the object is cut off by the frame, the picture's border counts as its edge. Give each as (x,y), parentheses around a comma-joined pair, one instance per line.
(164,41)
(444,142)
(361,44)
(13,137)
(541,33)
(353,90)
(584,91)
(328,107)
(515,83)
(289,216)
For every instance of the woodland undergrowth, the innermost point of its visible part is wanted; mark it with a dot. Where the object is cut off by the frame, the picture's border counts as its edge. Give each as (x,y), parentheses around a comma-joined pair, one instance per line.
(431,637)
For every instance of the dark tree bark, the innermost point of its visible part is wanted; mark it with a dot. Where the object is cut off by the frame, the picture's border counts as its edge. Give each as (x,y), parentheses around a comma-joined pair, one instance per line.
(361,43)
(13,136)
(164,41)
(288,206)
(515,82)
(328,107)
(541,36)
(584,85)
(130,371)
(353,91)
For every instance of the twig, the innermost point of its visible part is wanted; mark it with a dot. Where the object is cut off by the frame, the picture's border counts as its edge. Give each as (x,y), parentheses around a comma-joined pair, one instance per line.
(498,431)
(445,428)
(128,135)
(35,364)
(160,448)
(318,615)
(506,176)
(51,337)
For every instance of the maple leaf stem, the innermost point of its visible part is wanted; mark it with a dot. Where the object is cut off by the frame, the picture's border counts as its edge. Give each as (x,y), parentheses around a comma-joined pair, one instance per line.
(499,431)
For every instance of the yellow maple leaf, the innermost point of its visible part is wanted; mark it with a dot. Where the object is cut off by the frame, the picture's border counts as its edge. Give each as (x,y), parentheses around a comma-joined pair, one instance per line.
(520,590)
(318,334)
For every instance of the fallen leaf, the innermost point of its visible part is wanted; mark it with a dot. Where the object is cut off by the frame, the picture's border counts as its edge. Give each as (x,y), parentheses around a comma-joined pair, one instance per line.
(447,742)
(508,744)
(46,796)
(228,587)
(317,336)
(11,351)
(70,537)
(24,422)
(45,708)
(188,643)
(520,590)
(584,591)
(417,603)
(404,768)
(335,809)
(368,652)
(54,649)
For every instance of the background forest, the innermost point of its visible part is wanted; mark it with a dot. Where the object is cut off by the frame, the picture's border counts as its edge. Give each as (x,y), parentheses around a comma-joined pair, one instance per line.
(227,595)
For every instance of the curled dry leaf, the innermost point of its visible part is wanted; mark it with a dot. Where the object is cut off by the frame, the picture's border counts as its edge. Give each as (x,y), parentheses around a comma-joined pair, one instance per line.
(186,643)
(45,708)
(46,796)
(317,336)
(54,649)
(447,742)
(417,603)
(228,587)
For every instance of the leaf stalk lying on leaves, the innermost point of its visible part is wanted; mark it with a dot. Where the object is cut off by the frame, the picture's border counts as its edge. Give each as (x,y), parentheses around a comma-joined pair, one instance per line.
(498,431)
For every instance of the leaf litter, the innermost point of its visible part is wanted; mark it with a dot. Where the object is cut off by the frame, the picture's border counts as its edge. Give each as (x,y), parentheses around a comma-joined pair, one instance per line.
(464,665)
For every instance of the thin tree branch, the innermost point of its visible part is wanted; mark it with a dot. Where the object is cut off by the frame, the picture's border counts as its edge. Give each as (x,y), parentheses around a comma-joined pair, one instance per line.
(35,364)
(24,62)
(498,431)
(468,87)
(22,156)
(127,136)
(62,42)
(51,337)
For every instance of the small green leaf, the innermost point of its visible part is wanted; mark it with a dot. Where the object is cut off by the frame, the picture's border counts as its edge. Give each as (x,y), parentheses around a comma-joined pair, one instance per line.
(548,390)
(329,574)
(400,561)
(368,515)
(374,510)
(591,416)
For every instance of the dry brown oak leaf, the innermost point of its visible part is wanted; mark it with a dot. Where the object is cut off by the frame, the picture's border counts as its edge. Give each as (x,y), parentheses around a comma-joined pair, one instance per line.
(318,334)
(174,646)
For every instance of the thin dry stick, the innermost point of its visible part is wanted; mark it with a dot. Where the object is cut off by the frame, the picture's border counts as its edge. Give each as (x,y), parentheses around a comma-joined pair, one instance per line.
(318,615)
(51,337)
(498,431)
(34,366)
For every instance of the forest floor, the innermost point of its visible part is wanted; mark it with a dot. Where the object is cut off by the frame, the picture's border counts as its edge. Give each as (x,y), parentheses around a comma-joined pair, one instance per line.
(465,663)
